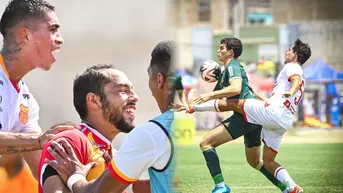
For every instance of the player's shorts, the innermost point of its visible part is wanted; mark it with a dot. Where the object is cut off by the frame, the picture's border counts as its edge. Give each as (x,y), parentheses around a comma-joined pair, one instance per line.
(272,138)
(275,119)
(237,126)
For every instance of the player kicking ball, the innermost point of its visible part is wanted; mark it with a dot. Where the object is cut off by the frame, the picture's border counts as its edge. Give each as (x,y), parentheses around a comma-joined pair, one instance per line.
(276,114)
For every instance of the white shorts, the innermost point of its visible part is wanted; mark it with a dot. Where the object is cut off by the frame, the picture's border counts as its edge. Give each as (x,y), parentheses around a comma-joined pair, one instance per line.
(275,120)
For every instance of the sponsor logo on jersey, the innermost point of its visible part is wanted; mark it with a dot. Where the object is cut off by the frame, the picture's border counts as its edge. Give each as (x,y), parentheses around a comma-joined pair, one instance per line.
(230,71)
(26,96)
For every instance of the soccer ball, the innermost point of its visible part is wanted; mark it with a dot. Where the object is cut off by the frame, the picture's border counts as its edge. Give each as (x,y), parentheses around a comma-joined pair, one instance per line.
(210,71)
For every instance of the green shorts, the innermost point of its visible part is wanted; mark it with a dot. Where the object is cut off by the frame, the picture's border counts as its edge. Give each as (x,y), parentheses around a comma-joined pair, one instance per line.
(237,126)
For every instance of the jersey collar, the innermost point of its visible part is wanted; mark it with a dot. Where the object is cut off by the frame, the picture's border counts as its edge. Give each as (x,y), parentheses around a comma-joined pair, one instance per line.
(95,137)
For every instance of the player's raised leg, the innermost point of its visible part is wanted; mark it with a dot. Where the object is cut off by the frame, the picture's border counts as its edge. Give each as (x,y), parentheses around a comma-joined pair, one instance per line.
(217,105)
(272,140)
(213,139)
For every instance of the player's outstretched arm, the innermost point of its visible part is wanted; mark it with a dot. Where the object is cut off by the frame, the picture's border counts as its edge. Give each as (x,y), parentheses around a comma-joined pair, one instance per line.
(25,142)
(18,142)
(230,91)
(233,78)
(134,157)
(72,172)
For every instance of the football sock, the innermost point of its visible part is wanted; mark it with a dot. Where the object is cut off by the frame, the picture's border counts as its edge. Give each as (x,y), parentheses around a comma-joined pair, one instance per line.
(272,179)
(213,165)
(282,175)
(211,105)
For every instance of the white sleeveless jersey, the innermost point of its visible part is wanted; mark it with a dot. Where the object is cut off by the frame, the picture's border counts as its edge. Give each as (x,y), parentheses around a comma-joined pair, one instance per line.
(284,84)
(19,111)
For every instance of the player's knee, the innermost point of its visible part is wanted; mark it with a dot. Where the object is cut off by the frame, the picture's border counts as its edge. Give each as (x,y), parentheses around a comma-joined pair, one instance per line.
(205,144)
(233,102)
(230,103)
(253,161)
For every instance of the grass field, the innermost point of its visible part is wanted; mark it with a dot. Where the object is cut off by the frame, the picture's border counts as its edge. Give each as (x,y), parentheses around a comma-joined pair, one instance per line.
(316,167)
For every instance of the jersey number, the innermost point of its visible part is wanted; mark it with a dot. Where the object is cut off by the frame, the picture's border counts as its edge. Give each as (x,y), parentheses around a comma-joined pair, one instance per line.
(287,103)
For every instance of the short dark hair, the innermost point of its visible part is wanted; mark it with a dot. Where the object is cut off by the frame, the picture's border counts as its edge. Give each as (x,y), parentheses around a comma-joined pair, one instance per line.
(303,51)
(162,57)
(91,81)
(21,10)
(234,44)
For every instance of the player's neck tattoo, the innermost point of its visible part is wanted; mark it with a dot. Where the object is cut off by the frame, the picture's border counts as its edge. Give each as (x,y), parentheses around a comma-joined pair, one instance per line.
(10,49)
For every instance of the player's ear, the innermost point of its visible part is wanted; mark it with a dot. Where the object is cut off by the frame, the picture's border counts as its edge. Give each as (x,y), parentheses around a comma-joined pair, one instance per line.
(160,80)
(295,57)
(93,101)
(231,52)
(22,34)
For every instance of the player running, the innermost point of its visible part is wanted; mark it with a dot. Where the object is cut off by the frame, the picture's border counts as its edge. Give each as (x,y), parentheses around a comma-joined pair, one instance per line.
(275,114)
(147,147)
(106,104)
(30,30)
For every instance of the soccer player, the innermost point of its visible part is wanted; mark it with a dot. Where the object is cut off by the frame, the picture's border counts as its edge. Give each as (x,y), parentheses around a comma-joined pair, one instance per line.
(147,147)
(106,104)
(30,35)
(232,83)
(275,114)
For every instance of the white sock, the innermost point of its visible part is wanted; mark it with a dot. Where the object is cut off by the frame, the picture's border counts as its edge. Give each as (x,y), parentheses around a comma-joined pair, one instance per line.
(221,184)
(211,105)
(283,176)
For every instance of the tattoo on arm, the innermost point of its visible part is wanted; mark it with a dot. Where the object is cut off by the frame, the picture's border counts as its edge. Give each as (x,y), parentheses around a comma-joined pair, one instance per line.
(14,149)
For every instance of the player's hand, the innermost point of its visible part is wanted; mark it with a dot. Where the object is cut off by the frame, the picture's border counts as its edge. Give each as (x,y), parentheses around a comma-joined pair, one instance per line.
(178,107)
(201,99)
(59,127)
(66,163)
(287,94)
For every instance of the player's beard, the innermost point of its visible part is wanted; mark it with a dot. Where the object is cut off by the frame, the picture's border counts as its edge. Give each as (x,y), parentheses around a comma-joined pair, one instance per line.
(115,116)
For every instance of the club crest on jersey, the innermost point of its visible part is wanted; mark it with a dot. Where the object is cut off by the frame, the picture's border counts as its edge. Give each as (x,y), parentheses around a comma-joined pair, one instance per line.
(24,114)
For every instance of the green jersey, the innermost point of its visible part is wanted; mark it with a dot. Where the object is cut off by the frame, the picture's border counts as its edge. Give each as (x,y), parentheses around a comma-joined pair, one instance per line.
(234,70)
(236,124)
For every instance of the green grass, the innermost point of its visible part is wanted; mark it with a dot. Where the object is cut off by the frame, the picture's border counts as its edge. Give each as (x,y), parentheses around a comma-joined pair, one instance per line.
(316,167)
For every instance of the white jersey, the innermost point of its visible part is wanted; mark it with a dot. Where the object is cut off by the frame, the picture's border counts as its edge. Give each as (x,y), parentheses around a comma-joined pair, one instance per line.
(283,84)
(145,146)
(19,111)
(276,116)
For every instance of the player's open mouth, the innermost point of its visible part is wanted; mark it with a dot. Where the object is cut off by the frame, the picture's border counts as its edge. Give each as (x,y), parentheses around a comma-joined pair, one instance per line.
(130,110)
(55,50)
